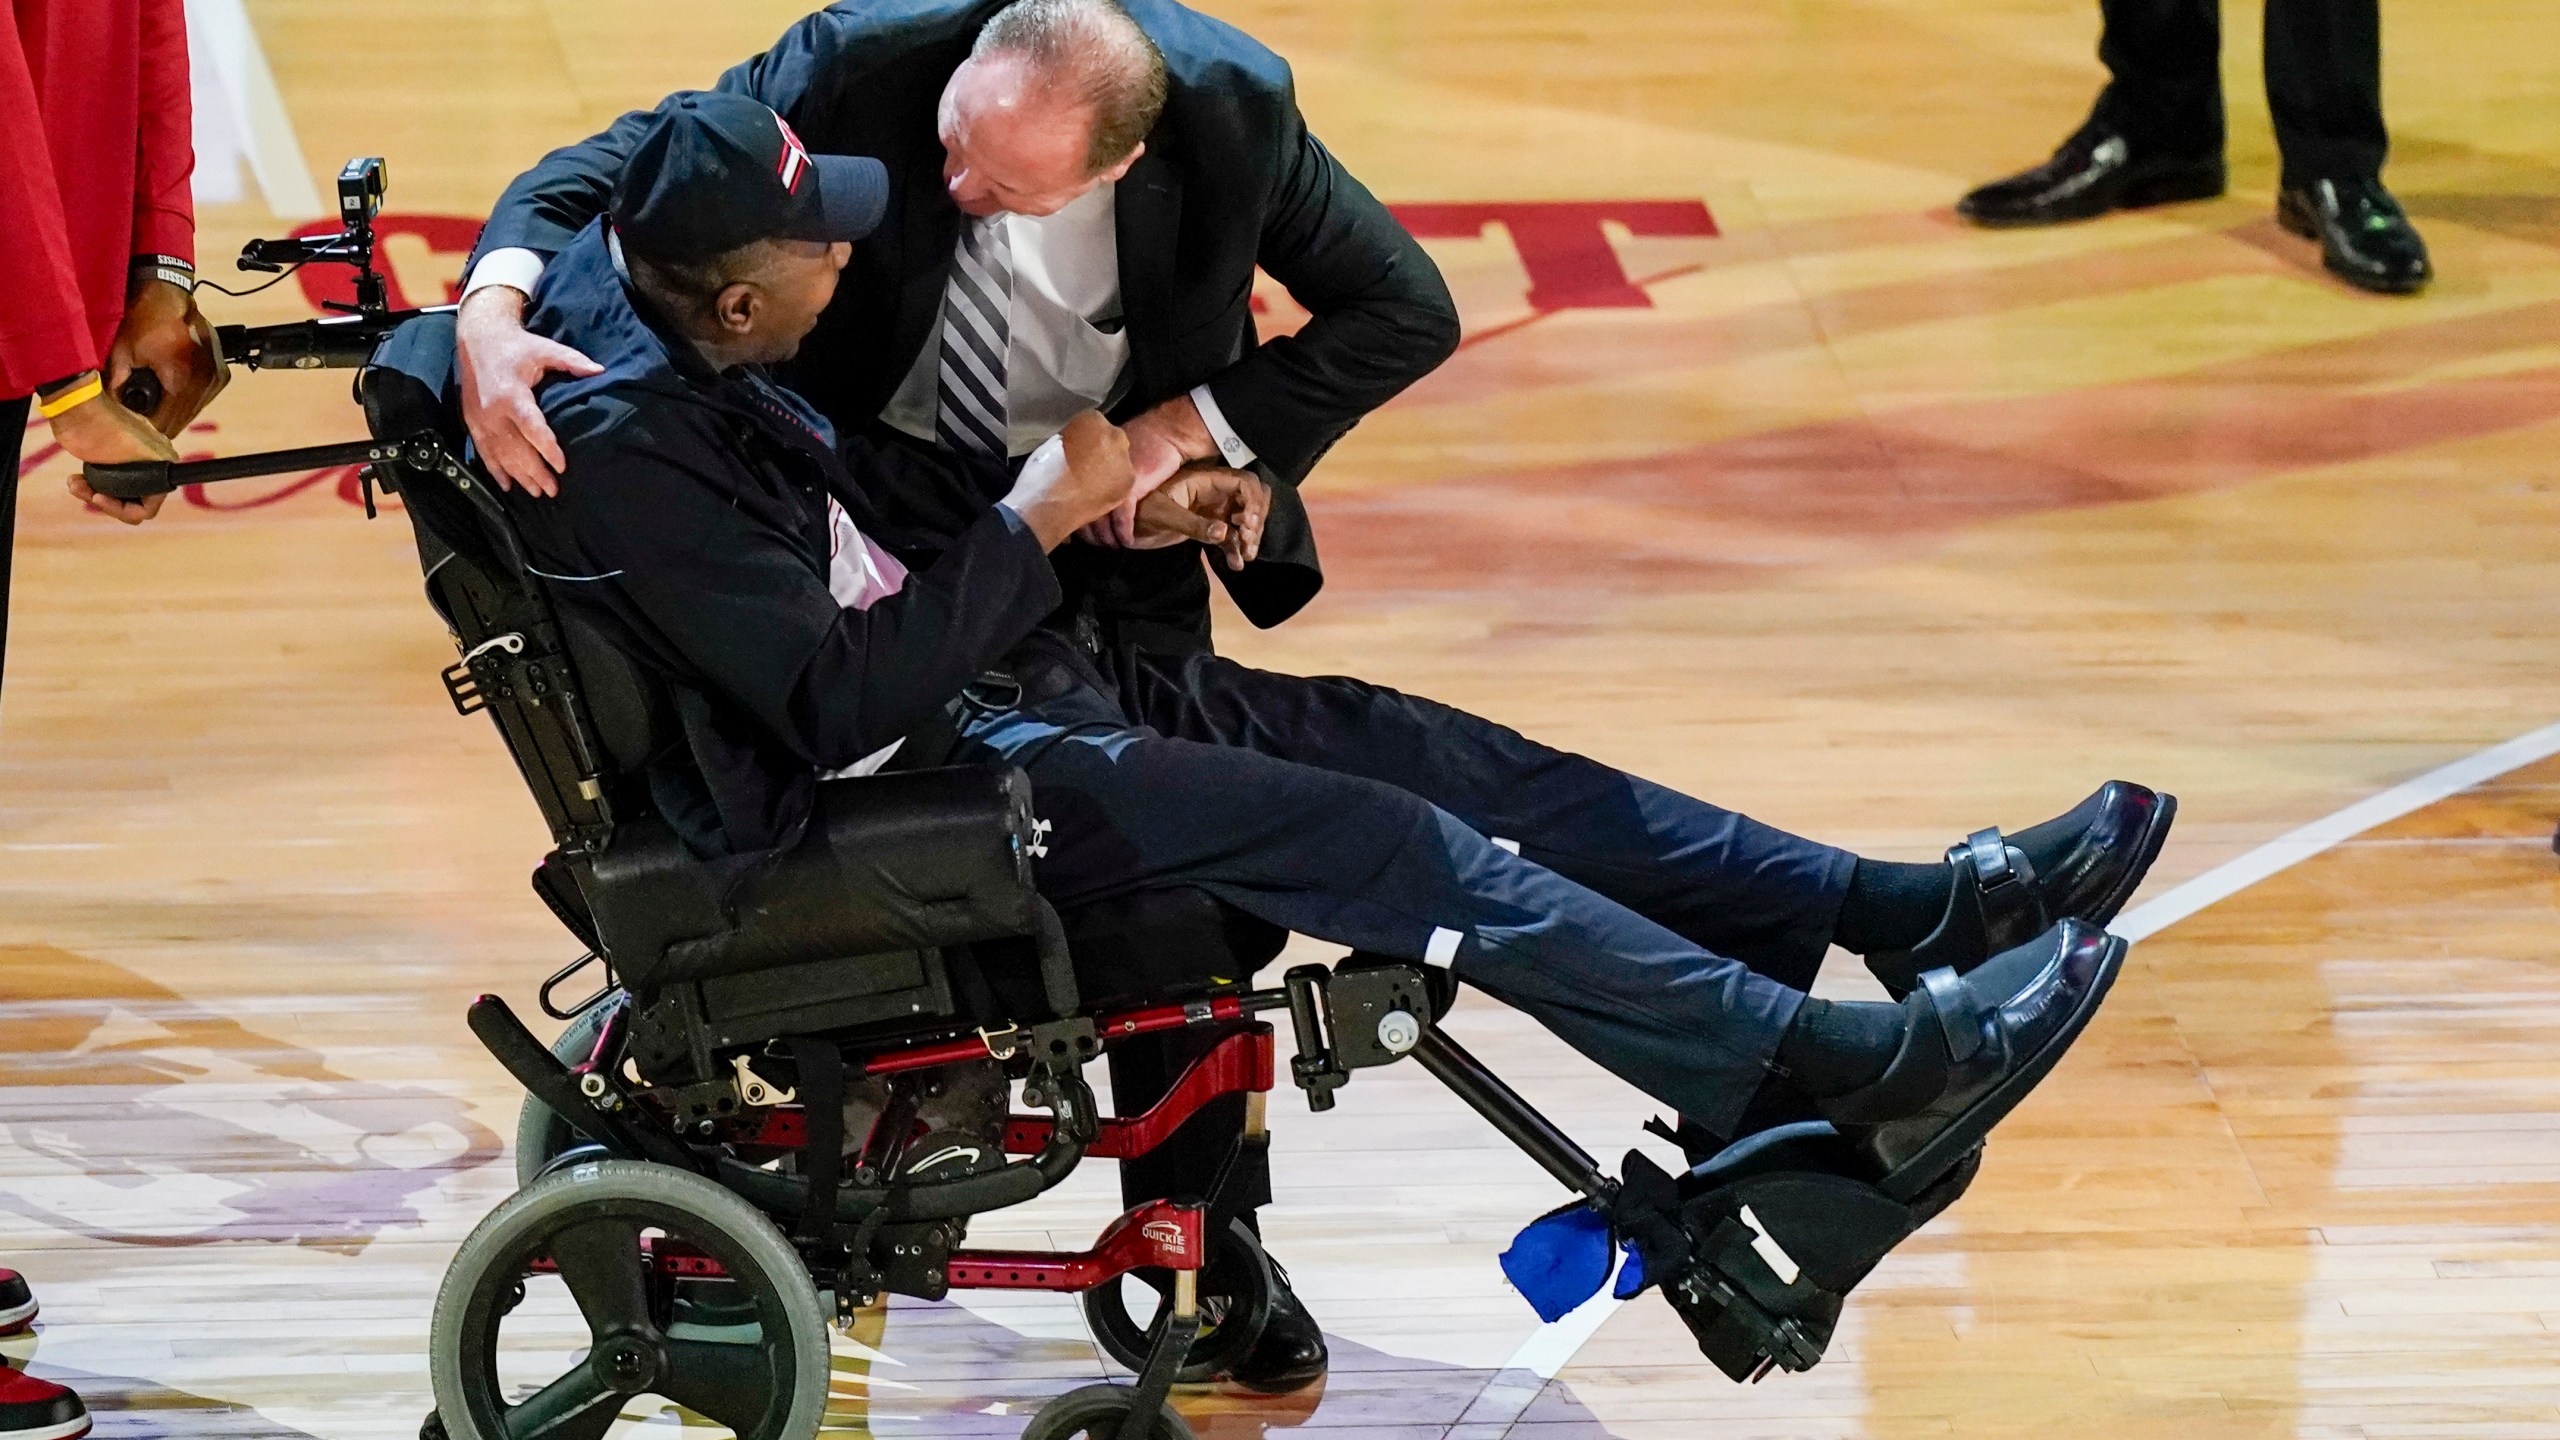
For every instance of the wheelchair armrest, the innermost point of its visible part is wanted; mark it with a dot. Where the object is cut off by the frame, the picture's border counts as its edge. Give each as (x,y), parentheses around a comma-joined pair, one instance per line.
(904,861)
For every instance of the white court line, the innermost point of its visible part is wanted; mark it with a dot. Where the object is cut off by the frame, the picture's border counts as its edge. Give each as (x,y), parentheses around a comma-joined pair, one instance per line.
(1552,1346)
(2295,846)
(226,43)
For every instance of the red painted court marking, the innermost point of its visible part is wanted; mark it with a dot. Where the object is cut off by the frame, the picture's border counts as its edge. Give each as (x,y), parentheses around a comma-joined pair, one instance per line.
(1561,243)
(1522,322)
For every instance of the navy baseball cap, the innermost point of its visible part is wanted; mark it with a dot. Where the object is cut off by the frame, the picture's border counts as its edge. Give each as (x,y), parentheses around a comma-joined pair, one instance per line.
(715,171)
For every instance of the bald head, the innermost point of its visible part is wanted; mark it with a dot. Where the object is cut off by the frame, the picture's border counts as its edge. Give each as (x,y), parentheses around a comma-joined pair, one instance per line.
(1056,97)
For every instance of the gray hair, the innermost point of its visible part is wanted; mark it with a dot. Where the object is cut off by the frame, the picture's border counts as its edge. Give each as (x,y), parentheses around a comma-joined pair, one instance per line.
(1095,52)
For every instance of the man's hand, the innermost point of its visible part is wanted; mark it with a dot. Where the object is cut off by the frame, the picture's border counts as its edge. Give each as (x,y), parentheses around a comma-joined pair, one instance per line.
(1161,441)
(163,332)
(1072,481)
(500,363)
(98,431)
(1215,506)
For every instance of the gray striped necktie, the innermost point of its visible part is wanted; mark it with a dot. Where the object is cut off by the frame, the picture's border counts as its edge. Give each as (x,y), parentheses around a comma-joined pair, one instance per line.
(970,419)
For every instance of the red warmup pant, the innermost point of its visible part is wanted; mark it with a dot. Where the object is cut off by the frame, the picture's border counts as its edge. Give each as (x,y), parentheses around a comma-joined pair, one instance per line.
(95,169)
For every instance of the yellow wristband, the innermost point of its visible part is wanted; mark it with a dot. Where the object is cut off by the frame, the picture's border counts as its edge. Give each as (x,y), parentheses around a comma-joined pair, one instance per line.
(80,394)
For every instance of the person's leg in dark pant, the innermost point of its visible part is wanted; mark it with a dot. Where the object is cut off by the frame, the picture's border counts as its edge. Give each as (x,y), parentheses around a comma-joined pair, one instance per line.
(2324,87)
(1367,865)
(13,435)
(1723,881)
(1189,1160)
(2164,67)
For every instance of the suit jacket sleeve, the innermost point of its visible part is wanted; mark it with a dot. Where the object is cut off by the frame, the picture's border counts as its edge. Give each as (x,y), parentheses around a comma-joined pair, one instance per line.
(549,204)
(1382,316)
(743,610)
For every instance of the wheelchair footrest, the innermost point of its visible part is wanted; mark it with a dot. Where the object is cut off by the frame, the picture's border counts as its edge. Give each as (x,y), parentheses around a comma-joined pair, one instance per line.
(1757,1257)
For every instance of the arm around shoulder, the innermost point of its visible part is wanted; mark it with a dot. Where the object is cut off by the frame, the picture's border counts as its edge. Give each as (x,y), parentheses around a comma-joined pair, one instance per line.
(546,205)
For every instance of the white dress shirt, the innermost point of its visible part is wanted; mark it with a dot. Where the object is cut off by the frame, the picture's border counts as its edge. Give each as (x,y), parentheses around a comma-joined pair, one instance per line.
(1067,350)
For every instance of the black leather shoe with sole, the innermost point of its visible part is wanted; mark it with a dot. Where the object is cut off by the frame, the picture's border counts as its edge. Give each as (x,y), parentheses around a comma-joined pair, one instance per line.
(2095,171)
(1975,1046)
(1291,1354)
(2365,237)
(1997,899)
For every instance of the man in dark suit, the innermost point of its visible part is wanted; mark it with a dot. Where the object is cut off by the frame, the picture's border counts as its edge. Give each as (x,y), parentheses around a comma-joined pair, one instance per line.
(1081,195)
(1226,179)
(2156,134)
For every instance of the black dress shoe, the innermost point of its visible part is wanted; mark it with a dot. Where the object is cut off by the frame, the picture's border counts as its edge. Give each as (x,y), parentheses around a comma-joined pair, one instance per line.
(2117,833)
(1291,1354)
(2365,238)
(1975,1045)
(1998,899)
(2095,171)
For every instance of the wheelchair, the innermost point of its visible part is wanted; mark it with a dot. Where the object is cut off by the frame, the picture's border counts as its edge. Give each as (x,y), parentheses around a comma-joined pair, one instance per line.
(790,1089)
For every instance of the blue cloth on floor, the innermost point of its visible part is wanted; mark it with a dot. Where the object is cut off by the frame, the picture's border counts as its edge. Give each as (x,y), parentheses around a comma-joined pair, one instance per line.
(1631,1276)
(1560,1260)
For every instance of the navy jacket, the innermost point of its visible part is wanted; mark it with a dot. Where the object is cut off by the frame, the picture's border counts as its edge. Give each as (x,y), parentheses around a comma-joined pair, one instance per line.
(697,541)
(1230,179)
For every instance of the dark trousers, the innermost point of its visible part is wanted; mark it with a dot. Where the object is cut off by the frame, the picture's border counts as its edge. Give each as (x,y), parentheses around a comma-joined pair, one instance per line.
(2324,81)
(1664,938)
(13,435)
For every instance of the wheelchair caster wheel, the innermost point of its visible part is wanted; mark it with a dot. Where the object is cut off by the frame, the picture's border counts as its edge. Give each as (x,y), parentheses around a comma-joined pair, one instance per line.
(638,1280)
(1102,1412)
(1235,1304)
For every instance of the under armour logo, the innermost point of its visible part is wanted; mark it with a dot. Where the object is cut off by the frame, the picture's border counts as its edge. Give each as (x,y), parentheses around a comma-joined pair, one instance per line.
(1039,839)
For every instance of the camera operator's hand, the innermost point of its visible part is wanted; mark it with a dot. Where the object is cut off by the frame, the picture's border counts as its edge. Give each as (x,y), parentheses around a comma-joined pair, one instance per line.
(1210,504)
(98,431)
(1073,480)
(164,333)
(500,363)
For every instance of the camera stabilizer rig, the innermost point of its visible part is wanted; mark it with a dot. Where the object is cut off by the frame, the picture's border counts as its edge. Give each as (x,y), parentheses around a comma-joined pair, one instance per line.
(344,341)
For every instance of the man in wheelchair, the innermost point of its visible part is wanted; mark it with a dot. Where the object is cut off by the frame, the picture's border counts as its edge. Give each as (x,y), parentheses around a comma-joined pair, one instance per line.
(718,542)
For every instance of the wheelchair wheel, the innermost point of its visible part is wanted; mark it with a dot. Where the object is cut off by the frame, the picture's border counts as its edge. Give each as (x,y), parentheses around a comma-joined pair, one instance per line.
(1235,1304)
(541,1135)
(1100,1411)
(666,1285)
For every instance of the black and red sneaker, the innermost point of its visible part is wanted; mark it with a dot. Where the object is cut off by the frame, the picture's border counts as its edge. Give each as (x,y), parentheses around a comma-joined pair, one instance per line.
(17,1303)
(33,1409)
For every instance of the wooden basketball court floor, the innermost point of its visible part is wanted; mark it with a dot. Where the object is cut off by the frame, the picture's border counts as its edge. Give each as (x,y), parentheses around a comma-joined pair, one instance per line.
(1758,474)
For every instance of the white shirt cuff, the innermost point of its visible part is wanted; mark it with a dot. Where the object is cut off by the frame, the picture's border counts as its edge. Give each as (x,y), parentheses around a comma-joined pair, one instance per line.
(1230,445)
(514,267)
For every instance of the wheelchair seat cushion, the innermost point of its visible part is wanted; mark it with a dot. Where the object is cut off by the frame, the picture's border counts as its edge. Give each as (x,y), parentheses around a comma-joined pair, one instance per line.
(891,863)
(1141,948)
(1152,943)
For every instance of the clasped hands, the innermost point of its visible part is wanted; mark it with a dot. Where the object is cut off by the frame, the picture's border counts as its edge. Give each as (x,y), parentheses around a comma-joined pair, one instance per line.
(1221,508)
(1180,491)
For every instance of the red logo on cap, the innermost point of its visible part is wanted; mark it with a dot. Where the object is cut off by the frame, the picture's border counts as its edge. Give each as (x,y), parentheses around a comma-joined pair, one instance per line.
(795,158)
